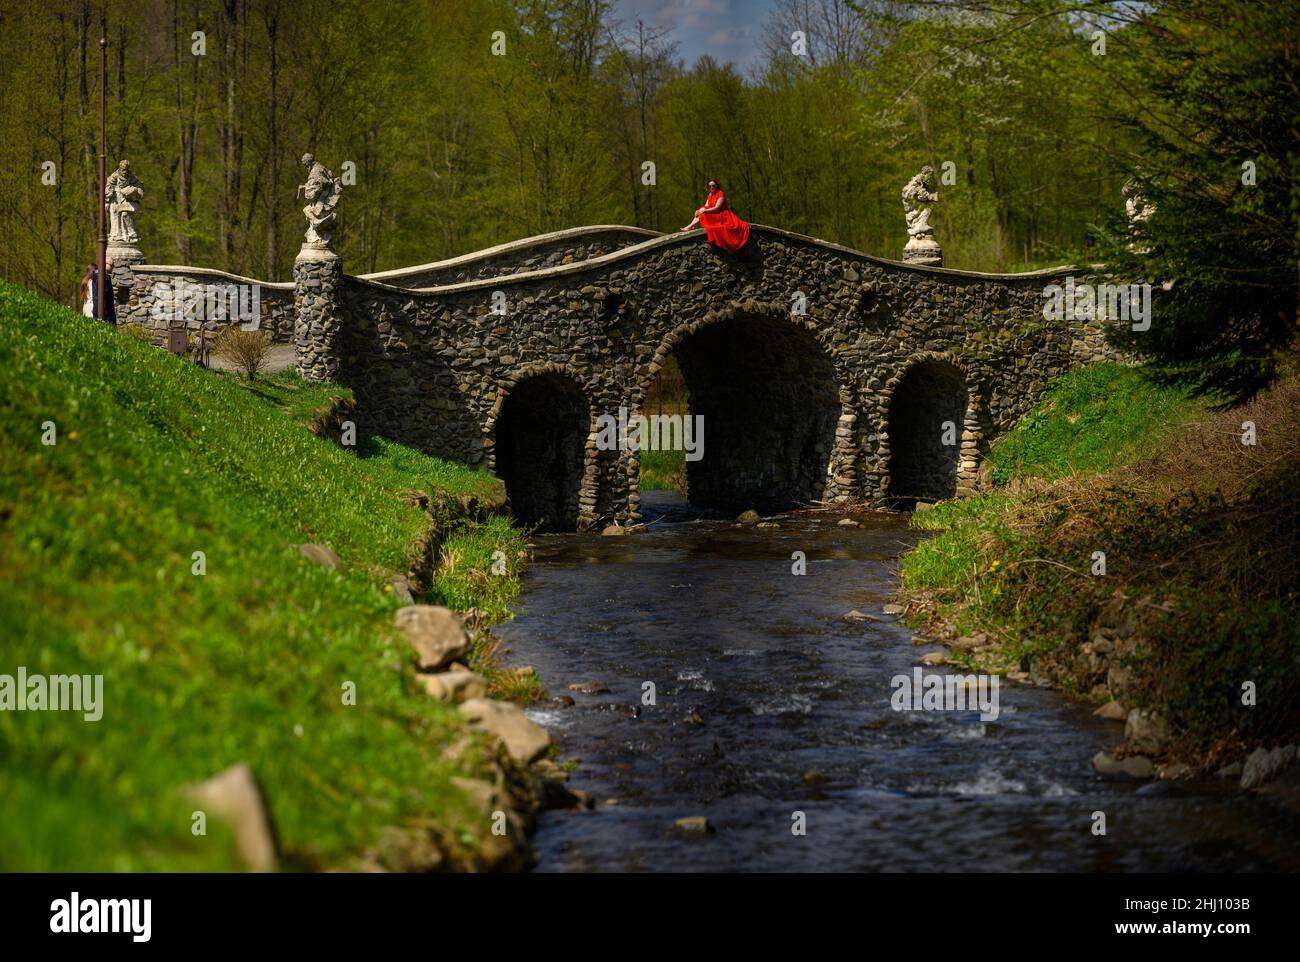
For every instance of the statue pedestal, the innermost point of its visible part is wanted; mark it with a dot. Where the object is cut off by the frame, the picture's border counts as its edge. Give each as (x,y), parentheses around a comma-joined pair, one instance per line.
(318,324)
(121,278)
(124,255)
(308,253)
(923,251)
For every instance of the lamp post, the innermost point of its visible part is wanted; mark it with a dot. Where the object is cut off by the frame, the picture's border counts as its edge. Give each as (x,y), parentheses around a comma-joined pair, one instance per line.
(101,281)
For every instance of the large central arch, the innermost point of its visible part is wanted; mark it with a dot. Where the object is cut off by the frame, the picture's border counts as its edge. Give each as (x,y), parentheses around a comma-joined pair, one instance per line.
(769,399)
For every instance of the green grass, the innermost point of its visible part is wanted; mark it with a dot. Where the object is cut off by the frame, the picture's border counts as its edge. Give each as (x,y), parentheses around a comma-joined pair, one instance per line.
(155,460)
(286,390)
(954,556)
(392,464)
(1090,420)
(663,470)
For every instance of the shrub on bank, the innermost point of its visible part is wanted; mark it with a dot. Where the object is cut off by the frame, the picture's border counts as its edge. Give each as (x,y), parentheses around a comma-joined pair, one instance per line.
(1199,590)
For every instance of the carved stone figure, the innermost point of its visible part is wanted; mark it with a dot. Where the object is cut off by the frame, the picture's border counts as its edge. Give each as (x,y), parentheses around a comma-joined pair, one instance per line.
(122,195)
(321,192)
(1138,210)
(919,193)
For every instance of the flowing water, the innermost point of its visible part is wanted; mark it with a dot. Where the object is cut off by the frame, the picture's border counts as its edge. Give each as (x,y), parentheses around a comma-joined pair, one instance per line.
(759,679)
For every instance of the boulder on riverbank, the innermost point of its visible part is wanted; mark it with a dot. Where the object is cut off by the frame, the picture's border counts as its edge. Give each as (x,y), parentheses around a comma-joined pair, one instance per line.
(1263,765)
(1135,767)
(435,634)
(455,686)
(523,740)
(1146,731)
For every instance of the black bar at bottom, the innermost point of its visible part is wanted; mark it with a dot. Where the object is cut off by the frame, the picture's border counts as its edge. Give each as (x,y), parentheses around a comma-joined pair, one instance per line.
(332,911)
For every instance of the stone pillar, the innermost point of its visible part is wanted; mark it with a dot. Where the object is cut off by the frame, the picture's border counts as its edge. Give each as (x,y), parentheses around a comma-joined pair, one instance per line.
(318,320)
(121,279)
(318,278)
(842,469)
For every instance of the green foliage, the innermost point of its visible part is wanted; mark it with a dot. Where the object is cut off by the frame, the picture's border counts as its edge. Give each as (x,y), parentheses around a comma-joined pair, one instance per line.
(1090,420)
(156,459)
(1219,128)
(465,578)
(663,471)
(553,134)
(954,557)
(1194,666)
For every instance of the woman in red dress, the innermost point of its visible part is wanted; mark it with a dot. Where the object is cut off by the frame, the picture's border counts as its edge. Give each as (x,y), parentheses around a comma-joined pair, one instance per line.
(721,226)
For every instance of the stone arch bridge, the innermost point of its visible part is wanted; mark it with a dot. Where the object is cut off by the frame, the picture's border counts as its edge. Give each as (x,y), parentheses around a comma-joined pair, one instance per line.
(821,373)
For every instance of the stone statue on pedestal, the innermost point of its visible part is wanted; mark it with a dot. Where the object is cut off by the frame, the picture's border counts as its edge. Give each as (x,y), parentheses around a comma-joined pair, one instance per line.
(1138,210)
(919,193)
(322,192)
(123,192)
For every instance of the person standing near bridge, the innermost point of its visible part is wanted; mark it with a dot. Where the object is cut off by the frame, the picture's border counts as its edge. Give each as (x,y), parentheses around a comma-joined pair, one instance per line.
(723,228)
(88,293)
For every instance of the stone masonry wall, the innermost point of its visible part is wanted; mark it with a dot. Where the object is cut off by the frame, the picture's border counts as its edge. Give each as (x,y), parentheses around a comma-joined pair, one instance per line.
(138,297)
(433,368)
(532,254)
(146,295)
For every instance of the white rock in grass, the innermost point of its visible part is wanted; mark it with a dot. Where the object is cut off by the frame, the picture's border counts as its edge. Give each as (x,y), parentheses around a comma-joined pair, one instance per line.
(320,554)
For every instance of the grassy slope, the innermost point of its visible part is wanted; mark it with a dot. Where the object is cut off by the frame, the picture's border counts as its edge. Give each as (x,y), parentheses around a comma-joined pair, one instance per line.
(664,470)
(1190,519)
(156,460)
(1094,419)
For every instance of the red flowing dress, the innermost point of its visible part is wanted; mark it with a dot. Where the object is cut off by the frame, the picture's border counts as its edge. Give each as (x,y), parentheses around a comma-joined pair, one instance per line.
(722,227)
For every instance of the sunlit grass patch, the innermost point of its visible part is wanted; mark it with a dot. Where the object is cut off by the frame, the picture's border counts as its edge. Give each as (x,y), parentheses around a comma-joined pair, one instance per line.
(156,461)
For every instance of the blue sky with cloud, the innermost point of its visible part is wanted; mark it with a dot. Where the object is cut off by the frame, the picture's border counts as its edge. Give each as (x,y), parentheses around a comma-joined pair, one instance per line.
(728,30)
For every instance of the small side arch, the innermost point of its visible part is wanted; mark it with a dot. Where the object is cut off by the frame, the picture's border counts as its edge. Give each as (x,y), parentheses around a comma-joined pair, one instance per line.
(931,429)
(537,432)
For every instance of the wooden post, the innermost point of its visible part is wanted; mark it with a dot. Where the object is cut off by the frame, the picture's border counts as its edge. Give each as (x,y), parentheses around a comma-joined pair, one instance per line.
(102,280)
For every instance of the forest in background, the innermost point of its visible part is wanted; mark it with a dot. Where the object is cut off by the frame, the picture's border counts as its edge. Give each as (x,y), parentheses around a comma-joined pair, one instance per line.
(456,148)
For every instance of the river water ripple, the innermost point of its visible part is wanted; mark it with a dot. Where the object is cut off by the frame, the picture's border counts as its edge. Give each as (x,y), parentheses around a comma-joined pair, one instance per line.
(759,679)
